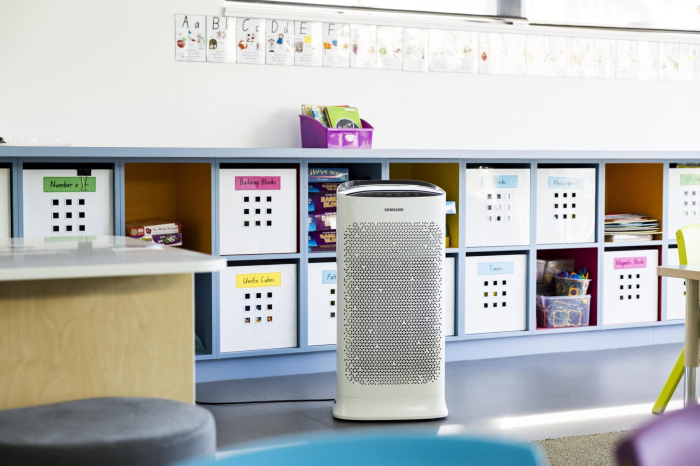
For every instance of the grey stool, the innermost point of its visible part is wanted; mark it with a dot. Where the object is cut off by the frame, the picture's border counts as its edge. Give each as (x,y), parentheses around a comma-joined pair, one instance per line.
(106,432)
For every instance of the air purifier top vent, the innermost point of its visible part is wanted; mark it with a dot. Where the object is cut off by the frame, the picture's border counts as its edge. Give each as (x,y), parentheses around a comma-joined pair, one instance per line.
(393,188)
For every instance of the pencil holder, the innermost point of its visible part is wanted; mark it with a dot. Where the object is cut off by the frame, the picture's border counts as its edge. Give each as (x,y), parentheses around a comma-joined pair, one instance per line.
(314,135)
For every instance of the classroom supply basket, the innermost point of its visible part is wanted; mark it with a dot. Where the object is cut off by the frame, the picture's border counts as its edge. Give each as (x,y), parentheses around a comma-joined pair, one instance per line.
(314,135)
(565,286)
(563,311)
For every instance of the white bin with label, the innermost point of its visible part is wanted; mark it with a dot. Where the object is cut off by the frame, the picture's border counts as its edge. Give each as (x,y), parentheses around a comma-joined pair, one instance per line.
(631,290)
(258,308)
(498,207)
(258,211)
(675,290)
(448,327)
(495,293)
(683,198)
(323,303)
(5,204)
(68,202)
(566,205)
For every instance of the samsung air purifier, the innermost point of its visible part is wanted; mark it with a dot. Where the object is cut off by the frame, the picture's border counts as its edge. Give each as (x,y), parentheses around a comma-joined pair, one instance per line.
(391,293)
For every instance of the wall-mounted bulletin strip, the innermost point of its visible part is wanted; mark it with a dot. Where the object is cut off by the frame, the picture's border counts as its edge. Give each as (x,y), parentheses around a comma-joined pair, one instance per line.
(228,39)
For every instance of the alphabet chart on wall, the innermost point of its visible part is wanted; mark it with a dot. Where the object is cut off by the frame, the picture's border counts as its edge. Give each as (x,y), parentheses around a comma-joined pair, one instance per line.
(279,44)
(221,39)
(319,44)
(250,36)
(190,37)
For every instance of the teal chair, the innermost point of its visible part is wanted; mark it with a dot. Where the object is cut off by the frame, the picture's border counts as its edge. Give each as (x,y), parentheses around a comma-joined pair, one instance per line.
(380,449)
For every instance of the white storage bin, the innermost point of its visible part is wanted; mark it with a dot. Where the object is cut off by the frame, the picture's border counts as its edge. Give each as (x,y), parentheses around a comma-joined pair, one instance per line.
(675,290)
(323,303)
(566,205)
(258,307)
(631,287)
(63,203)
(258,211)
(5,204)
(449,320)
(683,198)
(495,293)
(498,207)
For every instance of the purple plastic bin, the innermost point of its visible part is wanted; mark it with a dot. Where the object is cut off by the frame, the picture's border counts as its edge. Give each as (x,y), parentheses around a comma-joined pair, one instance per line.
(316,136)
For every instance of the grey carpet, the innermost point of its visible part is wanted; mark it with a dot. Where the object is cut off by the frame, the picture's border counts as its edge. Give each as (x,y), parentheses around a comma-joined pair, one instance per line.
(585,450)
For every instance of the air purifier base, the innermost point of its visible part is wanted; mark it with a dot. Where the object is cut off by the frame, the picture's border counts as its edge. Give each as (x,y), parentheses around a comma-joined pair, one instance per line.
(389,409)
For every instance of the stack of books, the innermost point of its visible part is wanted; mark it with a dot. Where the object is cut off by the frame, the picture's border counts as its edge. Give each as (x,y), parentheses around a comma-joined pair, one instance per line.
(323,185)
(630,227)
(156,230)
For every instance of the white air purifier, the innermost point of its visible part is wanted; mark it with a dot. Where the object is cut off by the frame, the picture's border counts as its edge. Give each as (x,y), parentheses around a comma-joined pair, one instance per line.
(391,293)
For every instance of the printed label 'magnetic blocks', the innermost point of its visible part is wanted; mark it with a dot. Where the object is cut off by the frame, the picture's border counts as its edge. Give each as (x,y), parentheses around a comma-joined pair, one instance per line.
(258,211)
(566,205)
(498,207)
(495,292)
(631,286)
(68,202)
(258,307)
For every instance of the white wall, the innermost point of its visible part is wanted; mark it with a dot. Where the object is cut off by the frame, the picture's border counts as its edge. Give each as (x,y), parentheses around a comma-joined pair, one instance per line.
(104,74)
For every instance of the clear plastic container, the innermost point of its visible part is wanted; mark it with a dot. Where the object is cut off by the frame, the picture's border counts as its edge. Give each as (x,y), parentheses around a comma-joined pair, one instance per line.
(563,311)
(556,266)
(540,270)
(565,286)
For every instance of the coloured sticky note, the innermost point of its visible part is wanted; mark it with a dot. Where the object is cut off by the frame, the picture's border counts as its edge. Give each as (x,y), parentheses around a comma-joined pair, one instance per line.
(70,184)
(307,39)
(255,280)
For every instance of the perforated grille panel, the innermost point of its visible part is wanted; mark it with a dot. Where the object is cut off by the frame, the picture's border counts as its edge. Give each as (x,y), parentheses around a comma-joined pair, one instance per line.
(392,318)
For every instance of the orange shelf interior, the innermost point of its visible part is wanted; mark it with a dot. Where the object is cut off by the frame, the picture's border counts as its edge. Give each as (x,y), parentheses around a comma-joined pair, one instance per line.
(635,188)
(179,192)
(444,175)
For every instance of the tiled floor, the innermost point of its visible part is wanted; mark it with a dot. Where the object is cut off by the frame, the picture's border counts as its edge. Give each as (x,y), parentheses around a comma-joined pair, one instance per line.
(480,396)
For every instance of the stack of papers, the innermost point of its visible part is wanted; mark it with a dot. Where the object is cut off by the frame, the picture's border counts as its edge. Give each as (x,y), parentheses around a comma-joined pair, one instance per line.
(630,227)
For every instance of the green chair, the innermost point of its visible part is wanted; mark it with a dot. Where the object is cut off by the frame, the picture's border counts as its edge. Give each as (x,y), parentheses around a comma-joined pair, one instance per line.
(688,239)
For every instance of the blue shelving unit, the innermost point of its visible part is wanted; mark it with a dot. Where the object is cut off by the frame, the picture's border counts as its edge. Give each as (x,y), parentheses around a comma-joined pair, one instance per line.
(213,364)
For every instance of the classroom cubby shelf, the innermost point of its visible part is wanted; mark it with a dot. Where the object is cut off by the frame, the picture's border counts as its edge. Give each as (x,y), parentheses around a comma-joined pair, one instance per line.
(191,176)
